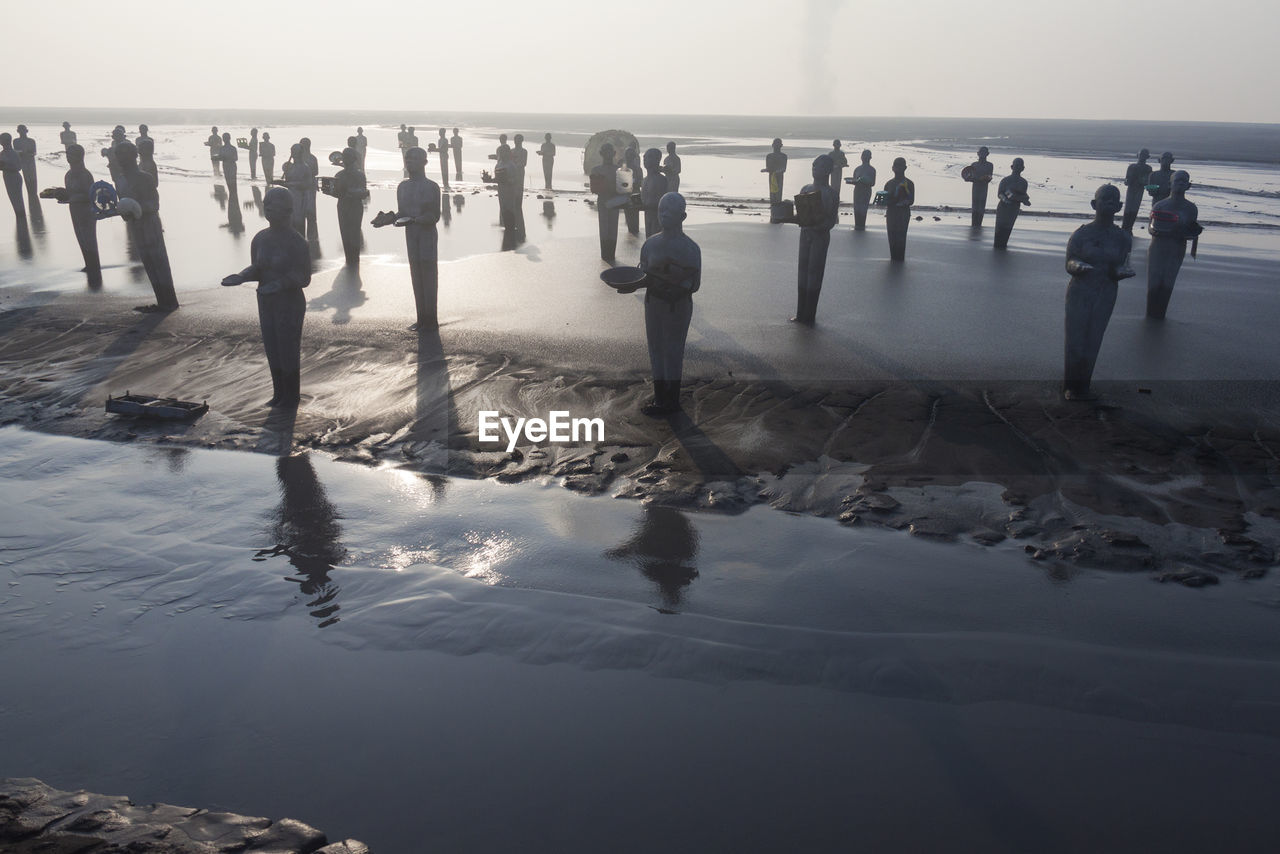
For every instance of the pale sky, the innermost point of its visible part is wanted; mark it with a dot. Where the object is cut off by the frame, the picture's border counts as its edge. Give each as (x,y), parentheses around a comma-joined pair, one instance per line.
(1105,59)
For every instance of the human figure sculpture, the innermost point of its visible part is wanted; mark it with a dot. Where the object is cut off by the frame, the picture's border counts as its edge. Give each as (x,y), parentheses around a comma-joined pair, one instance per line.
(1173,223)
(979,173)
(296,177)
(547,151)
(401,139)
(1011,195)
(253,154)
(504,177)
(280,262)
(864,182)
(604,183)
(309,191)
(26,148)
(228,158)
(410,141)
(67,137)
(631,162)
(267,150)
(418,211)
(672,264)
(652,190)
(442,148)
(147,230)
(455,142)
(1136,178)
(76,194)
(147,156)
(1097,255)
(1161,180)
(11,165)
(815,240)
(838,164)
(215,149)
(671,168)
(519,160)
(900,195)
(775,164)
(362,146)
(109,152)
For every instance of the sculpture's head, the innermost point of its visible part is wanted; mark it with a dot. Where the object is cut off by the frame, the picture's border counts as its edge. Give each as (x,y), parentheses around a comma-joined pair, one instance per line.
(415,160)
(295,151)
(127,155)
(66,125)
(1107,200)
(143,129)
(671,147)
(652,158)
(277,206)
(117,133)
(266,135)
(350,157)
(213,130)
(822,167)
(899,166)
(983,152)
(835,143)
(305,142)
(75,155)
(502,139)
(671,210)
(1017,166)
(1166,159)
(777,145)
(5,141)
(519,140)
(1143,155)
(1181,181)
(547,137)
(866,155)
(226,139)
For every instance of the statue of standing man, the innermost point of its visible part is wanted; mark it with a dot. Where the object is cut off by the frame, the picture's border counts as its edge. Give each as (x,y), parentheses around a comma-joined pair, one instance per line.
(1136,178)
(775,164)
(979,173)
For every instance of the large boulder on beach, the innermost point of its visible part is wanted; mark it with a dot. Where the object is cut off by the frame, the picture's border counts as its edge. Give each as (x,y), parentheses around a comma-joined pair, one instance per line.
(619,139)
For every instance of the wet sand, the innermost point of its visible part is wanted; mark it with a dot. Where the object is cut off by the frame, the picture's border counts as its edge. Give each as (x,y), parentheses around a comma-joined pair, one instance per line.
(926,398)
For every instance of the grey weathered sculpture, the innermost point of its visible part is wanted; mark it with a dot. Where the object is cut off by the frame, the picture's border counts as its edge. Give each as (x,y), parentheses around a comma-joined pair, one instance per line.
(1173,223)
(11,165)
(1136,178)
(26,148)
(109,152)
(361,146)
(815,240)
(267,150)
(1096,259)
(67,137)
(1161,180)
(147,156)
(296,177)
(228,157)
(417,212)
(838,164)
(215,148)
(76,195)
(671,168)
(631,162)
(455,142)
(254,145)
(442,148)
(410,141)
(148,232)
(309,191)
(280,262)
(547,151)
(1011,195)
(672,263)
(504,175)
(655,186)
(604,183)
(144,132)
(900,195)
(351,190)
(979,173)
(864,182)
(775,164)
(519,160)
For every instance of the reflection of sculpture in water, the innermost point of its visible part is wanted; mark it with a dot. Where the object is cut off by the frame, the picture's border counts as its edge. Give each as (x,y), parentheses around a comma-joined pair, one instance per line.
(864,182)
(1161,180)
(11,165)
(455,142)
(604,183)
(672,263)
(253,154)
(26,148)
(631,162)
(1173,223)
(1011,195)
(652,190)
(68,136)
(76,195)
(280,262)
(350,189)
(442,148)
(980,173)
(418,211)
(147,156)
(815,240)
(148,232)
(305,527)
(775,164)
(297,176)
(547,151)
(1136,179)
(838,163)
(900,195)
(671,168)
(215,148)
(663,547)
(267,150)
(1096,259)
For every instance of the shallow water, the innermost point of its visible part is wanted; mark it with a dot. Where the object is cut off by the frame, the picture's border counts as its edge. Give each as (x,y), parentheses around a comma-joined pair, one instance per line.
(505,667)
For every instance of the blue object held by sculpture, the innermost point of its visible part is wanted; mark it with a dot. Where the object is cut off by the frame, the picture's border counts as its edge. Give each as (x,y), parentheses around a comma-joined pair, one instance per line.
(103,198)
